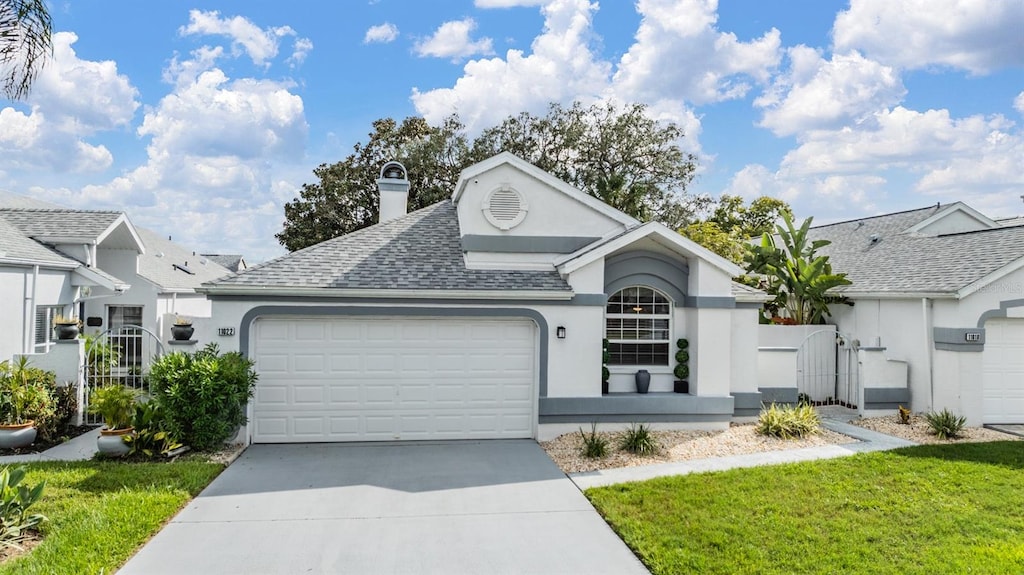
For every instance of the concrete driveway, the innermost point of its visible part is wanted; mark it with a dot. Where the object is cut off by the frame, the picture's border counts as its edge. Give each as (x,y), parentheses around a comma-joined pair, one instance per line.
(447,507)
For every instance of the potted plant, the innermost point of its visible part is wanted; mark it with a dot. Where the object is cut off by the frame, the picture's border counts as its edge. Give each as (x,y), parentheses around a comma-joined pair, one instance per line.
(682,369)
(65,327)
(116,405)
(23,391)
(182,329)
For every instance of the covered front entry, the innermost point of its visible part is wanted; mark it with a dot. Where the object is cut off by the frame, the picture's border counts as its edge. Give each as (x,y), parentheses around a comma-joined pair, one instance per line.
(325,379)
(1003,369)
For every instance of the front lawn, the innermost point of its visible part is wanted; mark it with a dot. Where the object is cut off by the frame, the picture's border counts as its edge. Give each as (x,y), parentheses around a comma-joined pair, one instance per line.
(101,512)
(928,509)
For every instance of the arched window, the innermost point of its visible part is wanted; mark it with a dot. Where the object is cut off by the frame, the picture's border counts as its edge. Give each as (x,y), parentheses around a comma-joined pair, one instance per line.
(638,327)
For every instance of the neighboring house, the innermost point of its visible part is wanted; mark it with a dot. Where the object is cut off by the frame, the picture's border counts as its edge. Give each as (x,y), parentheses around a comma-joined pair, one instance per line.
(483,316)
(941,288)
(95,265)
(233,262)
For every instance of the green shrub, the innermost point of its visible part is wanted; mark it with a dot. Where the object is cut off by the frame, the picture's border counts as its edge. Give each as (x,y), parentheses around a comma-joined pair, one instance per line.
(594,446)
(638,440)
(681,371)
(65,407)
(26,393)
(945,424)
(804,399)
(151,437)
(682,343)
(203,394)
(682,356)
(903,415)
(787,422)
(15,501)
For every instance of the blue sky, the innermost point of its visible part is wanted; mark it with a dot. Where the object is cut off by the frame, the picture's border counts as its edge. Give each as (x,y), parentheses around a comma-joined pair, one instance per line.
(201,120)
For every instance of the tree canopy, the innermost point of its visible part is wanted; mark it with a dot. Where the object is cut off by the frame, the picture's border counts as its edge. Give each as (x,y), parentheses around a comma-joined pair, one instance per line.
(732,224)
(618,154)
(25,44)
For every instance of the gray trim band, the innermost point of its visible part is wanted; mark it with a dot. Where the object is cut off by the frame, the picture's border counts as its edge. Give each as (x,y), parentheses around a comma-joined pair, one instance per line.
(594,299)
(778,394)
(893,395)
(999,313)
(710,302)
(955,339)
(749,305)
(632,407)
(525,244)
(746,403)
(288,310)
(777,348)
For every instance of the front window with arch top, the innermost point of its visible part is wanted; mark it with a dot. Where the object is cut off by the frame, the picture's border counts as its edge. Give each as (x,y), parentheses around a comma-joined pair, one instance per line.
(638,327)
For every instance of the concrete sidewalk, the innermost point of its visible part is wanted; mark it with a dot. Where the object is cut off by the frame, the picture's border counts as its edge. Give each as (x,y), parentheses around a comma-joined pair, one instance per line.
(867,441)
(78,448)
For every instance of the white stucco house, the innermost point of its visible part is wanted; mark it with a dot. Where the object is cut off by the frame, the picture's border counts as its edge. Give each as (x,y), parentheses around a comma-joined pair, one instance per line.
(483,316)
(95,265)
(942,289)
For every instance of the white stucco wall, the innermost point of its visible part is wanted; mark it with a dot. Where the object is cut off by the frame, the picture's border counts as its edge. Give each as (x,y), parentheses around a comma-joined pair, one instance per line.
(18,307)
(744,374)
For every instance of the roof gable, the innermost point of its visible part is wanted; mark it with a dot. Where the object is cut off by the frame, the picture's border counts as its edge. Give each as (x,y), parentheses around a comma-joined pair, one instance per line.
(16,247)
(954,218)
(507,158)
(172,267)
(64,226)
(657,231)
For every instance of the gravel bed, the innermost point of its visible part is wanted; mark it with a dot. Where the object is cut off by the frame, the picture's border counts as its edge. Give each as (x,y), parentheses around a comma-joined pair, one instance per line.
(680,445)
(918,430)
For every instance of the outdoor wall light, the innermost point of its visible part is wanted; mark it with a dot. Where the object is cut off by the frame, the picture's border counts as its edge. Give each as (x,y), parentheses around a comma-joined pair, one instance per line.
(560,332)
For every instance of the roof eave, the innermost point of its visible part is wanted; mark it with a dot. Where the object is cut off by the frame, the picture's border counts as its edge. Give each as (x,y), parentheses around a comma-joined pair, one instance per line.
(897,295)
(43,264)
(482,295)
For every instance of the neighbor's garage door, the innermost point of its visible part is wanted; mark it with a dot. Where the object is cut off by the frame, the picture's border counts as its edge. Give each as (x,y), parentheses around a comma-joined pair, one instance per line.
(1003,361)
(327,379)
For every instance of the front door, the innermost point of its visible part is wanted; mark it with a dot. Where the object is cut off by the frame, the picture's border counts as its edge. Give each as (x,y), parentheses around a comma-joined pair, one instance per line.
(124,322)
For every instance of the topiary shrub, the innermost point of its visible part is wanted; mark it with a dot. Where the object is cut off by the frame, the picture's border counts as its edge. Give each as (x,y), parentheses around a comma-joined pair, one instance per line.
(203,394)
(787,422)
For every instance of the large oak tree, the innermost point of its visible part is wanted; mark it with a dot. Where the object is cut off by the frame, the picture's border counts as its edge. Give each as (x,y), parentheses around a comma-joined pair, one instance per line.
(618,154)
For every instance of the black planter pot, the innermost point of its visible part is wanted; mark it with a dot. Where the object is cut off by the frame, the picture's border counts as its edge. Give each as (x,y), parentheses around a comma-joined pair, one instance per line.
(643,381)
(679,386)
(66,330)
(604,388)
(182,332)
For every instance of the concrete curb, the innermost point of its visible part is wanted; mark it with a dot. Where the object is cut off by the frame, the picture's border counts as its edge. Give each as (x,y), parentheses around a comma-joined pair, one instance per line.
(867,441)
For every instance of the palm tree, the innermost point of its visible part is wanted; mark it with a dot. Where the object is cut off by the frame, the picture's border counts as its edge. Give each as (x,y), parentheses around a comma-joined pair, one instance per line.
(25,44)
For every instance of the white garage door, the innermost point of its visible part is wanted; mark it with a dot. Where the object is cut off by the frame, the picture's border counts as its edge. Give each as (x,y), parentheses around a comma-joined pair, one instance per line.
(1003,361)
(357,379)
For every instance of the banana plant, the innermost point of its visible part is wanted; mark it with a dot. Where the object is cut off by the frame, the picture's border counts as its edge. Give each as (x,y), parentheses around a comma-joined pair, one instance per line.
(795,274)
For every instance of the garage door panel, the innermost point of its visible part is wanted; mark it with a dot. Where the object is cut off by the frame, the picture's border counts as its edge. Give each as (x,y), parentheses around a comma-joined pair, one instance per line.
(349,379)
(1003,371)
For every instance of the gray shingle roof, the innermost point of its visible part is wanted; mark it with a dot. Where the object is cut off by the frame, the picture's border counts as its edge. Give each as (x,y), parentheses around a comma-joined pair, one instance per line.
(61,222)
(158,263)
(15,245)
(912,263)
(420,250)
(230,261)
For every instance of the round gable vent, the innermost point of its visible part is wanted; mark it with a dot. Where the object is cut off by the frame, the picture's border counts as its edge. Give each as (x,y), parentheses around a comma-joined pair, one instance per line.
(505,208)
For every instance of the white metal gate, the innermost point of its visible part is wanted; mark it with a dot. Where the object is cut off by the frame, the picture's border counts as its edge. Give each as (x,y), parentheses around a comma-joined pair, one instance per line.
(119,356)
(827,369)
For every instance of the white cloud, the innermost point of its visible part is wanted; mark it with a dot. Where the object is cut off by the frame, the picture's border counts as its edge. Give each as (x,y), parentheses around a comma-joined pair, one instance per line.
(507,3)
(381,33)
(301,49)
(1018,103)
(452,40)
(974,36)
(818,94)
(680,53)
(559,67)
(71,100)
(260,44)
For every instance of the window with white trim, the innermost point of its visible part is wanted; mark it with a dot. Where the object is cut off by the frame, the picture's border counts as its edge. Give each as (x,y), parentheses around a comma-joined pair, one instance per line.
(44,337)
(638,323)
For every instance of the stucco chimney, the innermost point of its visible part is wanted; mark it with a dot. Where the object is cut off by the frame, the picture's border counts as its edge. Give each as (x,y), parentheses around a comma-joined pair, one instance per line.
(393,186)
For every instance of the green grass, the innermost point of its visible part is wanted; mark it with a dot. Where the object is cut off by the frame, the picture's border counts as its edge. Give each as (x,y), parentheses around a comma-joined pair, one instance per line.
(101,512)
(919,510)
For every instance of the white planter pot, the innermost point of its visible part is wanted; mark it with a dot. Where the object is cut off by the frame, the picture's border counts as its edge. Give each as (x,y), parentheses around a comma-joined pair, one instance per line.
(21,435)
(111,442)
